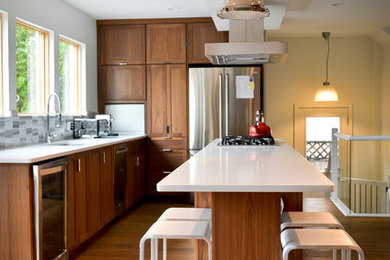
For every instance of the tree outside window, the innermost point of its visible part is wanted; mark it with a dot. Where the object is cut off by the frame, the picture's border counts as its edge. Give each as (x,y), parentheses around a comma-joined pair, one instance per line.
(31,69)
(69,76)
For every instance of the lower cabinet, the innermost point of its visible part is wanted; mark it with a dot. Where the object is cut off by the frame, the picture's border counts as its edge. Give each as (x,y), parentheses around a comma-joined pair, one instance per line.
(100,183)
(136,179)
(90,193)
(164,156)
(77,200)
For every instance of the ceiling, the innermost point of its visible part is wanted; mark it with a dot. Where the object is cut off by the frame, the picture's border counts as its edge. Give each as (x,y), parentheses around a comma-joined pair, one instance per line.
(297,17)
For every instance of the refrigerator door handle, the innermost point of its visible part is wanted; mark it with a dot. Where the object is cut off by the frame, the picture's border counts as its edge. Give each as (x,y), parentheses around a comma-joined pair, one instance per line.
(220,105)
(227,103)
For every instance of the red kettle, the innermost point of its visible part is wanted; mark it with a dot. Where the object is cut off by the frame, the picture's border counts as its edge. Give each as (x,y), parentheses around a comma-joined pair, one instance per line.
(260,128)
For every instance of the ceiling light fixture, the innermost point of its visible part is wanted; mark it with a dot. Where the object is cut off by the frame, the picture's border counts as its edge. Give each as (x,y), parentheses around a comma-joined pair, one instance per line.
(326,92)
(243,9)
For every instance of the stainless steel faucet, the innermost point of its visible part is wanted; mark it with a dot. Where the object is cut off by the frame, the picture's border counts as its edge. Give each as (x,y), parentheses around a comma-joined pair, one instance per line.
(50,135)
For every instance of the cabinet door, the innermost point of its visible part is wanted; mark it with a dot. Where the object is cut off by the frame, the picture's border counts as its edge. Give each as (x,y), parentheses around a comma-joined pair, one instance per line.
(131,184)
(166,43)
(198,34)
(72,240)
(140,177)
(157,100)
(78,164)
(177,100)
(93,195)
(122,44)
(167,100)
(122,83)
(106,185)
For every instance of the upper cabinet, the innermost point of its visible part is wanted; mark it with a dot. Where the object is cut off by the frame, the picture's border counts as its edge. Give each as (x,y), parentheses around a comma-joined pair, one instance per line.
(165,43)
(198,34)
(122,83)
(122,44)
(167,100)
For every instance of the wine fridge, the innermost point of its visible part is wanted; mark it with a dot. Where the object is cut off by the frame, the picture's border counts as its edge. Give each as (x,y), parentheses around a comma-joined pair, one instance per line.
(50,206)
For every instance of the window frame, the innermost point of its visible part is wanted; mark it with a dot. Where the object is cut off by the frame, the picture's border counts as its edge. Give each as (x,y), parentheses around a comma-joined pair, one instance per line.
(79,87)
(45,73)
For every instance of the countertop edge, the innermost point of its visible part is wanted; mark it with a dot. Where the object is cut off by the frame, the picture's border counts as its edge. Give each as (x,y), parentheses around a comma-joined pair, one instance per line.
(77,149)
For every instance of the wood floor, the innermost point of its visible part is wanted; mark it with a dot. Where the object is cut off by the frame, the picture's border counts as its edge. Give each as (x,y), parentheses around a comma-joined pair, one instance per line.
(120,240)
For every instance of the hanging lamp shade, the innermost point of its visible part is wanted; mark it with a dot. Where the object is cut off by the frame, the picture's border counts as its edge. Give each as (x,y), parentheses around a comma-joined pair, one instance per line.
(243,9)
(326,92)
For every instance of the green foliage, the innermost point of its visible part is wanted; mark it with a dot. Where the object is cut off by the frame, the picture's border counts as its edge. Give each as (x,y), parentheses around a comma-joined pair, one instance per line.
(23,48)
(63,56)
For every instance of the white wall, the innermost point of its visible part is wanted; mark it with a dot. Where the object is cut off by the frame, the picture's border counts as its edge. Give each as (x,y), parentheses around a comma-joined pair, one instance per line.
(359,69)
(60,18)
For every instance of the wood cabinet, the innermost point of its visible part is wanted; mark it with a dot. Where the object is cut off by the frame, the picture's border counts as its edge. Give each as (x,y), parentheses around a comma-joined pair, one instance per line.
(100,183)
(165,43)
(106,185)
(93,191)
(167,100)
(198,34)
(164,156)
(136,185)
(122,44)
(122,83)
(78,230)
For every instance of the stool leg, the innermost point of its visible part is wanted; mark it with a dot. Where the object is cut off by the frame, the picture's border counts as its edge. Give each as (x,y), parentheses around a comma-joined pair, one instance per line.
(343,254)
(209,250)
(334,254)
(141,250)
(154,249)
(164,249)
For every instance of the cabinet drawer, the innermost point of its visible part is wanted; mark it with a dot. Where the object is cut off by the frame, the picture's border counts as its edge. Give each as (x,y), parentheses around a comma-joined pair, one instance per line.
(160,143)
(166,160)
(153,179)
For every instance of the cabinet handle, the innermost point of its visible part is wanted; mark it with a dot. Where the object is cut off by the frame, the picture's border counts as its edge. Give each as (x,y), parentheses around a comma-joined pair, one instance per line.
(167,137)
(167,150)
(166,172)
(104,157)
(79,165)
(123,150)
(167,129)
(123,63)
(137,161)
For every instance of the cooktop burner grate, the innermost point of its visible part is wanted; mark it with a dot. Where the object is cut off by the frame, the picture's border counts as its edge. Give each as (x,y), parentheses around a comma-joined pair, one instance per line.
(247,140)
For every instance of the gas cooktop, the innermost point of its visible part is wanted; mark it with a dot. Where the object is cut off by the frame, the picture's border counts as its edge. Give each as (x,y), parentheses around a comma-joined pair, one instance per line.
(247,140)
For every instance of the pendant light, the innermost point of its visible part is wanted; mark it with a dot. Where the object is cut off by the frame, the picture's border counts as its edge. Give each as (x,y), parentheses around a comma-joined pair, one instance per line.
(243,9)
(326,92)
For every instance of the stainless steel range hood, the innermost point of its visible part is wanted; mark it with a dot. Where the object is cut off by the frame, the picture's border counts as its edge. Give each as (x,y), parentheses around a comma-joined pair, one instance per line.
(246,46)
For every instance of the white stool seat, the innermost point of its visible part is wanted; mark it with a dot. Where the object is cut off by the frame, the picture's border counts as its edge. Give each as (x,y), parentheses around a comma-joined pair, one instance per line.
(175,230)
(292,239)
(295,219)
(203,214)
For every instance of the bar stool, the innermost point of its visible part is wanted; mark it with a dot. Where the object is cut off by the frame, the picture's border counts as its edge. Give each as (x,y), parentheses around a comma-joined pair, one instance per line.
(336,239)
(184,214)
(297,219)
(173,229)
(203,214)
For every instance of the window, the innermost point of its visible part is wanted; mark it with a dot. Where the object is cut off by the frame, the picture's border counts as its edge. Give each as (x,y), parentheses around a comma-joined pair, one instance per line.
(31,68)
(1,66)
(70,76)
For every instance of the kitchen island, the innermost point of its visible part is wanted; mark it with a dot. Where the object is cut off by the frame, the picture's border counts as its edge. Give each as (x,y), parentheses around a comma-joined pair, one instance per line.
(243,186)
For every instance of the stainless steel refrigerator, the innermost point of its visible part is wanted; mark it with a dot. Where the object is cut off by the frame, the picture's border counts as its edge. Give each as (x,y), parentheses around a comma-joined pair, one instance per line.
(222,101)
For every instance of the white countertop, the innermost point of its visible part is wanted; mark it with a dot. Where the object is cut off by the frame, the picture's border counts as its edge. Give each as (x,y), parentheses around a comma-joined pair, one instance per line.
(277,168)
(41,152)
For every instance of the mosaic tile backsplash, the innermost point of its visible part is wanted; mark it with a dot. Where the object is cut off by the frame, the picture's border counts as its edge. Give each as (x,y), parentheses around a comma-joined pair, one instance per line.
(27,130)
